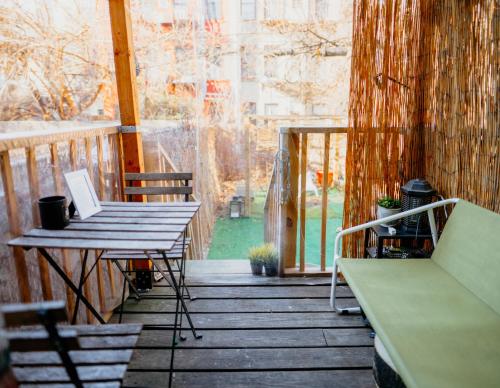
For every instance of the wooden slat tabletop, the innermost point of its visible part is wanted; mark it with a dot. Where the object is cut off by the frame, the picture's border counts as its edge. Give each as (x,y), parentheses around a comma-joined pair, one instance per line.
(145,226)
(105,351)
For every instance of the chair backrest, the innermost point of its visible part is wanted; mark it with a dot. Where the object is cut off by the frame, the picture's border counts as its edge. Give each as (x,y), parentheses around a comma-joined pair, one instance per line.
(469,250)
(181,178)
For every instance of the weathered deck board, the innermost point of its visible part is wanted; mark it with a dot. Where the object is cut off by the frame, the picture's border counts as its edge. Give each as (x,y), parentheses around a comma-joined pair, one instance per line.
(261,338)
(289,379)
(235,305)
(254,359)
(252,321)
(257,331)
(258,292)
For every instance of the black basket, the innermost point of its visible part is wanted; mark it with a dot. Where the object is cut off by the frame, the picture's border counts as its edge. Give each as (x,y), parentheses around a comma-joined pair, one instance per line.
(416,193)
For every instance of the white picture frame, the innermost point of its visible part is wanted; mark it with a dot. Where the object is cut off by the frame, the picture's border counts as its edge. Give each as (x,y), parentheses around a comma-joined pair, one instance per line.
(83,193)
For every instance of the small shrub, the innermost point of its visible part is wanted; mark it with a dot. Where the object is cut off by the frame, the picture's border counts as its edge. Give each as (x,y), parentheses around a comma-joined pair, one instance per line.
(265,254)
(389,203)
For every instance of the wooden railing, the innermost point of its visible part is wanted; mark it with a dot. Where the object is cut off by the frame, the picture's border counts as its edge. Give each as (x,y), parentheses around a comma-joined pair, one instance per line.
(30,149)
(284,214)
(199,234)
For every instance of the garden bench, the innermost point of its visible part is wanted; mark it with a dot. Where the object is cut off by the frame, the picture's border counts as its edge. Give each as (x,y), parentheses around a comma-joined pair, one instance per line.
(438,319)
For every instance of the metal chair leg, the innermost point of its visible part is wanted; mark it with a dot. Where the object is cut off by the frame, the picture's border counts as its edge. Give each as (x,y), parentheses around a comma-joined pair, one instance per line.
(123,295)
(174,343)
(182,274)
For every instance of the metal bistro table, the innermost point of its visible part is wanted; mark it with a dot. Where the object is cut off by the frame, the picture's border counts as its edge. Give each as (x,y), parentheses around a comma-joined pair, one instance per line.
(141,227)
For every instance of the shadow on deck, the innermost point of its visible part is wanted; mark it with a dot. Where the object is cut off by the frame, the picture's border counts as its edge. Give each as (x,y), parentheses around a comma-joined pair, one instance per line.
(257,331)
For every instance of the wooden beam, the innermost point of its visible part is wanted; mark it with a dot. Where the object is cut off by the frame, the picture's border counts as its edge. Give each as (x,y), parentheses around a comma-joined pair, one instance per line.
(303,194)
(121,30)
(14,226)
(289,214)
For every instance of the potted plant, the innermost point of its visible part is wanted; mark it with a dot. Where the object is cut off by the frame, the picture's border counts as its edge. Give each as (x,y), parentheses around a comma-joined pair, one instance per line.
(256,263)
(388,206)
(270,260)
(264,256)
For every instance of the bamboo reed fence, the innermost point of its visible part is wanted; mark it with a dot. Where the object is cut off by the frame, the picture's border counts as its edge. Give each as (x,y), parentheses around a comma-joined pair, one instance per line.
(423,103)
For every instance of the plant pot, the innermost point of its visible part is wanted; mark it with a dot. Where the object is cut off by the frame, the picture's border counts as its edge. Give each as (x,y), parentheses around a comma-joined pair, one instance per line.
(271,269)
(383,212)
(256,268)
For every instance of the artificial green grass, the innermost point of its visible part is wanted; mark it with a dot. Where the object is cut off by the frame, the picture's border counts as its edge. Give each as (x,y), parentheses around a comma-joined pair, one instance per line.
(232,238)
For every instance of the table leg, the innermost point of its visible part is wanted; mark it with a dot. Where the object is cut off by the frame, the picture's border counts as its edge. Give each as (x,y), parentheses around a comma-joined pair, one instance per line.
(179,296)
(181,283)
(70,284)
(80,286)
(380,247)
(367,239)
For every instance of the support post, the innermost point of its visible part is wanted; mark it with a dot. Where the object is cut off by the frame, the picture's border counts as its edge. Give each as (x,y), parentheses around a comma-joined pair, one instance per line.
(131,138)
(289,182)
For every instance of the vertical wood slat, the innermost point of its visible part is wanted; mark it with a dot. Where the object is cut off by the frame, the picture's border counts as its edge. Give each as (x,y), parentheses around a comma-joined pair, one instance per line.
(99,275)
(66,262)
(303,194)
(248,175)
(34,185)
(102,193)
(88,156)
(14,226)
(324,200)
(73,158)
(100,184)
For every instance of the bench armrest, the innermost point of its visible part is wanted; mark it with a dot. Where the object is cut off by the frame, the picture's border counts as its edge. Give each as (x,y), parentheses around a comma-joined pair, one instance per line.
(336,255)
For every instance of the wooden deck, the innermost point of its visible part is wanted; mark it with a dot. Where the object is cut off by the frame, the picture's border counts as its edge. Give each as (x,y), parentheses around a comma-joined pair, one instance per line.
(257,331)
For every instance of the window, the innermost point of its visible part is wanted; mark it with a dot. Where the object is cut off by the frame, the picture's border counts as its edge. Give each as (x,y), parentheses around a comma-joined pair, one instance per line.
(270,109)
(270,67)
(180,9)
(273,10)
(213,9)
(248,65)
(249,108)
(321,9)
(248,10)
(319,109)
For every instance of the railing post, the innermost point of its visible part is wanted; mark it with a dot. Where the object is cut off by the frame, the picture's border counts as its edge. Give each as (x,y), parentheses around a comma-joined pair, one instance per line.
(289,146)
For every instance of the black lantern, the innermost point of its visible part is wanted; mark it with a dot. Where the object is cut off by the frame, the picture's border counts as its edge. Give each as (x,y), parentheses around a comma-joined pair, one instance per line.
(416,193)
(236,207)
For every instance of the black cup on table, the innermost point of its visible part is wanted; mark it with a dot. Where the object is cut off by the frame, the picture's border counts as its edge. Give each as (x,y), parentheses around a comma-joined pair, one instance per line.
(54,212)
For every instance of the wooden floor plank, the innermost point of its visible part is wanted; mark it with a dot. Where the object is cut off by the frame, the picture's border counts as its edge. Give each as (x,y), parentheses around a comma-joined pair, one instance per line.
(293,379)
(235,305)
(258,338)
(257,331)
(252,321)
(259,292)
(253,359)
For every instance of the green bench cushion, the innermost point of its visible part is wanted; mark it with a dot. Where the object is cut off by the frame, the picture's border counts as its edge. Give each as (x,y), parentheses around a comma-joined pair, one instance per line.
(469,249)
(437,332)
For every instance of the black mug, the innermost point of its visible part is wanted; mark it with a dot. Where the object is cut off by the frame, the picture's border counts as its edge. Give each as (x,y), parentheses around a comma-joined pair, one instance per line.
(54,212)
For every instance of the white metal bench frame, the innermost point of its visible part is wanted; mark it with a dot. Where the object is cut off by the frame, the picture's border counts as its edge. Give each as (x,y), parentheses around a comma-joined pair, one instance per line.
(432,223)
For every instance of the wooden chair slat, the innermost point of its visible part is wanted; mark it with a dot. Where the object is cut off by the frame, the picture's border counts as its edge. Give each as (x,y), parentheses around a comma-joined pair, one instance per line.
(79,357)
(49,374)
(159,176)
(158,190)
(27,314)
(38,340)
